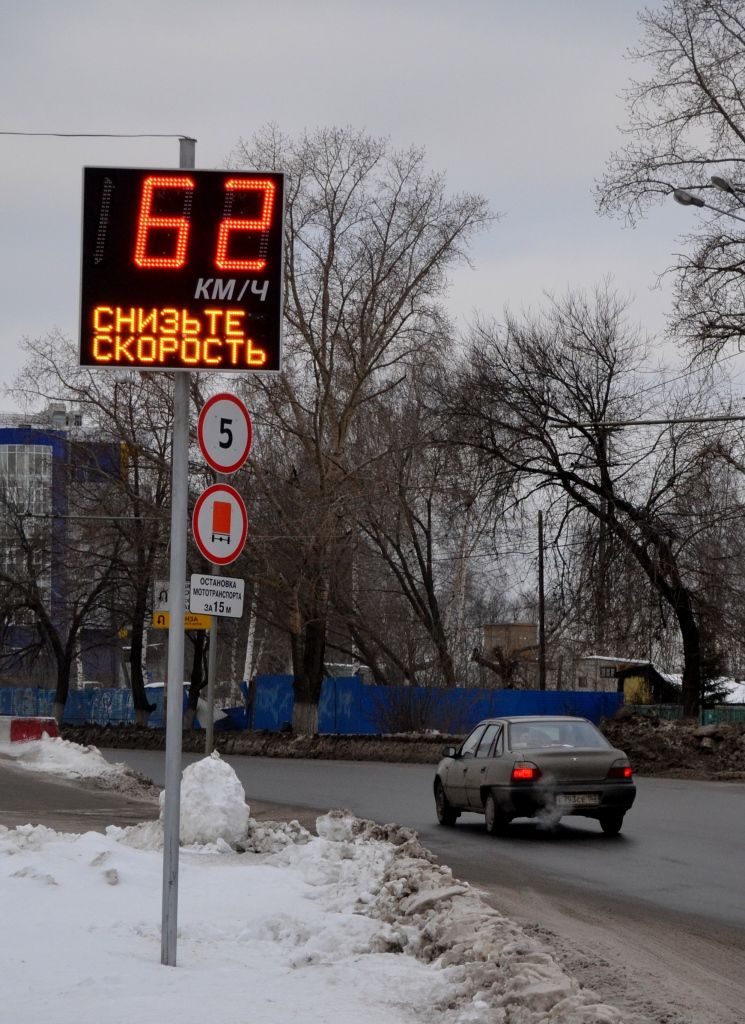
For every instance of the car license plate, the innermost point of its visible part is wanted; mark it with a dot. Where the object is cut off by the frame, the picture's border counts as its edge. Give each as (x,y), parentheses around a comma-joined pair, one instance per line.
(577,799)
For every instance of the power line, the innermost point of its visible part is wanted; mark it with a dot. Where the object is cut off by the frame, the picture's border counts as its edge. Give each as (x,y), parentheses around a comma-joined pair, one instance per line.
(671,421)
(102,135)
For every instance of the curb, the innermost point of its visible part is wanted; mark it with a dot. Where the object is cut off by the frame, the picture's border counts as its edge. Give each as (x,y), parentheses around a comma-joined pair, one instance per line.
(20,730)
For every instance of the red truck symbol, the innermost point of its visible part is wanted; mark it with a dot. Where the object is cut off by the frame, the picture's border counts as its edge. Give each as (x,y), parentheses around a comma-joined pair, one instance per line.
(221,511)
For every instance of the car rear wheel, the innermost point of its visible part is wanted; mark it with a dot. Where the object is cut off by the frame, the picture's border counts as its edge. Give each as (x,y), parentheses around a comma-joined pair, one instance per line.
(495,819)
(446,814)
(611,822)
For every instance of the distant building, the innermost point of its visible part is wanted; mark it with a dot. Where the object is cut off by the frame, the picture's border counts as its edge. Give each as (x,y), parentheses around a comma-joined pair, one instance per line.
(42,460)
(519,639)
(639,680)
(56,416)
(601,672)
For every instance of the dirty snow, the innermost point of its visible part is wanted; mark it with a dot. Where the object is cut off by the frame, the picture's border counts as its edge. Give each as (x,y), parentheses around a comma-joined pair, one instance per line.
(68,760)
(357,923)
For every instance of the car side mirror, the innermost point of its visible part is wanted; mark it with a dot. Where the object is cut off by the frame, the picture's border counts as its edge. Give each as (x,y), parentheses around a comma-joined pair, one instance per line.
(449,751)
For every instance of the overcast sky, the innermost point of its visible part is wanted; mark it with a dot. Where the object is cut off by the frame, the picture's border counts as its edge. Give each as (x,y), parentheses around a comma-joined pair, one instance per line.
(519,101)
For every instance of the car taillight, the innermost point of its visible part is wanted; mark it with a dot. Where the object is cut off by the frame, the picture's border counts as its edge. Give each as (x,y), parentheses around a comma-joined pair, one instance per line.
(525,771)
(620,769)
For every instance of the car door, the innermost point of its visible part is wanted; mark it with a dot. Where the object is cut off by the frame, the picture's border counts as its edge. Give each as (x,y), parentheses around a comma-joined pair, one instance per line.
(476,769)
(455,780)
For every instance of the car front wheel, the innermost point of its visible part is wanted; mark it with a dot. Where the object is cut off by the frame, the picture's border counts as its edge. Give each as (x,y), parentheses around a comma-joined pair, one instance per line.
(446,815)
(611,822)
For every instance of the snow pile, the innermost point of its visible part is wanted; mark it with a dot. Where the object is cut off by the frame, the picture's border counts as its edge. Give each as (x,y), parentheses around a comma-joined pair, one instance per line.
(735,691)
(497,973)
(67,760)
(271,836)
(268,937)
(213,803)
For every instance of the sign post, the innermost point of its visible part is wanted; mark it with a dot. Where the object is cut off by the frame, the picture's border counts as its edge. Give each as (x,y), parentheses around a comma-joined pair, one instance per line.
(175,681)
(182,271)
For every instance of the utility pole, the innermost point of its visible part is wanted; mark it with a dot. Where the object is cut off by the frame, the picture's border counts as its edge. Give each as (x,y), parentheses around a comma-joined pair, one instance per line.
(541,610)
(602,581)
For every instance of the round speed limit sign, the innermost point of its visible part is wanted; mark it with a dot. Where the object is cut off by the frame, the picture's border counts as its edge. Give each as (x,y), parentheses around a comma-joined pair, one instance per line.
(224,432)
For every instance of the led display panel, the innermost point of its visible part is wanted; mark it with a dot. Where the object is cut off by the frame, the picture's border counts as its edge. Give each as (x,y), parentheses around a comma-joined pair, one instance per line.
(182,270)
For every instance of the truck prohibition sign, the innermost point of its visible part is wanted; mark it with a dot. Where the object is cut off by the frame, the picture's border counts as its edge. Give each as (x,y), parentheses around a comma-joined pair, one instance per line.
(220,524)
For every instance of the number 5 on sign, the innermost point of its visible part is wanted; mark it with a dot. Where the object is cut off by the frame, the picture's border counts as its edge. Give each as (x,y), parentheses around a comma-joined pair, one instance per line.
(224,432)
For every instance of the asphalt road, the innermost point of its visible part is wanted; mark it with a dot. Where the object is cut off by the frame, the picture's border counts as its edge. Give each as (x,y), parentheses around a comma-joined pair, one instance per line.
(682,848)
(34,798)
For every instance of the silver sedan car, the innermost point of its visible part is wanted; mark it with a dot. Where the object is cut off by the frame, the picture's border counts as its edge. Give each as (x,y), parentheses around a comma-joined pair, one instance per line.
(540,767)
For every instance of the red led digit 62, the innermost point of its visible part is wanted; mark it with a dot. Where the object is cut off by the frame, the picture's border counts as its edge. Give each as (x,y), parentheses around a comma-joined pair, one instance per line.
(176,227)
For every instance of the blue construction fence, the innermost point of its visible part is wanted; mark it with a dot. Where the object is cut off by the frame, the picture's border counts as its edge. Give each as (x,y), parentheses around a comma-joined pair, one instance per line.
(99,707)
(350,707)
(347,706)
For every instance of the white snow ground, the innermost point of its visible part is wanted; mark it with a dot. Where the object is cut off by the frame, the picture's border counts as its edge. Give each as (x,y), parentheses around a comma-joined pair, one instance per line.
(354,925)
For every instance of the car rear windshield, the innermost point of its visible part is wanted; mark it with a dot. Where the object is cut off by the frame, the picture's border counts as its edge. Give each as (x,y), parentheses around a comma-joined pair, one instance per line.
(548,733)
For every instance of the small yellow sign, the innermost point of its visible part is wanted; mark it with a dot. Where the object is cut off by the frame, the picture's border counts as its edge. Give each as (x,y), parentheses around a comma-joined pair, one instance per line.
(162,620)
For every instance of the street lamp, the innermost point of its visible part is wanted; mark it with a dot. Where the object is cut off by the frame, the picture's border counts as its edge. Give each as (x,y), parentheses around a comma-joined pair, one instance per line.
(723,184)
(685,198)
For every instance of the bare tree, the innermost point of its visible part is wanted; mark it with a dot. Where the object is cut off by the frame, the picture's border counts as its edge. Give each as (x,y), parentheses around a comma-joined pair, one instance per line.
(686,123)
(427,519)
(370,238)
(541,396)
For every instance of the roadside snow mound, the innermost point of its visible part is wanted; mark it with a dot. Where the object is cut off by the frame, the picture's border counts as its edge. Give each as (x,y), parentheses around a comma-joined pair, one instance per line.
(497,974)
(67,760)
(270,836)
(213,804)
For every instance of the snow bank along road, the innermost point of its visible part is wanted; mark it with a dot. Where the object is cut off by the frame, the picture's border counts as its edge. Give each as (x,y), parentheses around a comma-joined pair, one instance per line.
(655,919)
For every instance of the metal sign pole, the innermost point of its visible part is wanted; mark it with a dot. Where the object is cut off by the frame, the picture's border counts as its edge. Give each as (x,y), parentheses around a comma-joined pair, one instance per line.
(175,692)
(224,433)
(209,739)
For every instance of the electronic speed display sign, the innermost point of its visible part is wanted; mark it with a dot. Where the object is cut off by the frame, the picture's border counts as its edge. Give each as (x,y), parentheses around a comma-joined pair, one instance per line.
(181,269)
